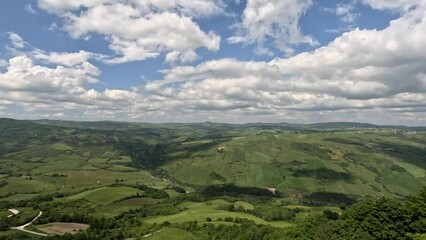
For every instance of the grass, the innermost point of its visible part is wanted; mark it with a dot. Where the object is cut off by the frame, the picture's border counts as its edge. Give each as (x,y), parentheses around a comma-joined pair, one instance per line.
(420,237)
(19,197)
(24,185)
(340,162)
(10,232)
(92,177)
(401,182)
(312,210)
(244,205)
(60,147)
(63,157)
(172,233)
(25,215)
(172,193)
(201,211)
(4,213)
(103,195)
(255,155)
(116,208)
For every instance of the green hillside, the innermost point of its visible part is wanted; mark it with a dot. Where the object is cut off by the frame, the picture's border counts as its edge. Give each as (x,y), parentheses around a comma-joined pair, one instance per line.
(39,157)
(202,180)
(352,162)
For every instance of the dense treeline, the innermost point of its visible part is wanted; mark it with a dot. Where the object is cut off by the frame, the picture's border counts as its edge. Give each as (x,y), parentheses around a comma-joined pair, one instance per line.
(380,219)
(233,190)
(17,220)
(149,191)
(144,155)
(268,212)
(329,198)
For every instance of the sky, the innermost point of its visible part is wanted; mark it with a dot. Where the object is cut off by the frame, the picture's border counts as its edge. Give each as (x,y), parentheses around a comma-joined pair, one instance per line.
(234,61)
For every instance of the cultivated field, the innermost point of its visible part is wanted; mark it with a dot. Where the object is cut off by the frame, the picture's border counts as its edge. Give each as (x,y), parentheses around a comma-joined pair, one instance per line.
(61,228)
(160,178)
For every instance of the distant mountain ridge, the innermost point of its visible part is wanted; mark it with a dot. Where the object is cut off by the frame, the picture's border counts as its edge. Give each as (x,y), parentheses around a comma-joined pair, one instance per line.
(119,124)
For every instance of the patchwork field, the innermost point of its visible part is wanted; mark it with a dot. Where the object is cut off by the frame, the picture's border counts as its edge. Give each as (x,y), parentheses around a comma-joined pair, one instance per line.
(162,178)
(352,162)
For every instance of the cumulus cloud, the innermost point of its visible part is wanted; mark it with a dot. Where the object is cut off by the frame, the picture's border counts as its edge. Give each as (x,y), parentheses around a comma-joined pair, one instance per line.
(3,63)
(23,75)
(273,20)
(57,91)
(368,70)
(59,58)
(345,11)
(195,8)
(217,69)
(168,26)
(361,75)
(59,6)
(66,59)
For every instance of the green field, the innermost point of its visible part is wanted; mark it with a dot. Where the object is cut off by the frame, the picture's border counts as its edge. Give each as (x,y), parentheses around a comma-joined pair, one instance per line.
(116,208)
(159,177)
(104,195)
(4,213)
(168,233)
(201,211)
(336,162)
(62,156)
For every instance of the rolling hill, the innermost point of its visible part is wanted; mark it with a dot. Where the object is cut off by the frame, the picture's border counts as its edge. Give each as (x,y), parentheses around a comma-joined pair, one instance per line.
(348,158)
(201,180)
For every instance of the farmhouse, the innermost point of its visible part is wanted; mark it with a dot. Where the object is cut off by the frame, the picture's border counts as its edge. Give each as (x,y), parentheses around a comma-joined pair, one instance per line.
(221,149)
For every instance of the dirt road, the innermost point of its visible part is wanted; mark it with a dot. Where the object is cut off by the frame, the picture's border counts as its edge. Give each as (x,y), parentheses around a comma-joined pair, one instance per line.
(22,228)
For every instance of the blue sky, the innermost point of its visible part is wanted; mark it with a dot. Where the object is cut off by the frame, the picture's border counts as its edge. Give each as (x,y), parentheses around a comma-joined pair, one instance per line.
(214,60)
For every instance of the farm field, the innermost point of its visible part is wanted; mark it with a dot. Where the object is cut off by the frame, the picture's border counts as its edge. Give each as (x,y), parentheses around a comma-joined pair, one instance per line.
(104,195)
(351,162)
(188,179)
(200,212)
(62,228)
(177,234)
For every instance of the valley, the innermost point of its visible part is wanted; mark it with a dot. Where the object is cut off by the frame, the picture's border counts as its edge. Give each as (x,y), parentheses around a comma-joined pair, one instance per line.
(143,180)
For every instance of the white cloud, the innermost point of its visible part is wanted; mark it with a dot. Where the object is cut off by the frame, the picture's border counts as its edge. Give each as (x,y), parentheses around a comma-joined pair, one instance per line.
(29,8)
(186,57)
(41,91)
(217,69)
(59,6)
(66,59)
(17,41)
(264,21)
(377,75)
(345,11)
(194,8)
(22,75)
(373,72)
(402,6)
(3,63)
(168,26)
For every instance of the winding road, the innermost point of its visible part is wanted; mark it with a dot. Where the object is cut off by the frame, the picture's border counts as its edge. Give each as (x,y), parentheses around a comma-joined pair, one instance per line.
(22,228)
